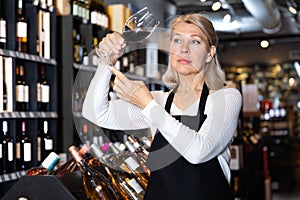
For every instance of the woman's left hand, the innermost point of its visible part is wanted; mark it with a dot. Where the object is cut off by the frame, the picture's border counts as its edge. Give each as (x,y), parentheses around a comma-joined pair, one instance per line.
(135,92)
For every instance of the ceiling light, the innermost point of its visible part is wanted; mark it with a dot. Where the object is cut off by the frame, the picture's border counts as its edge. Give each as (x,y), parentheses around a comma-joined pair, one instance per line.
(216,6)
(292,10)
(292,6)
(264,44)
(203,1)
(227,18)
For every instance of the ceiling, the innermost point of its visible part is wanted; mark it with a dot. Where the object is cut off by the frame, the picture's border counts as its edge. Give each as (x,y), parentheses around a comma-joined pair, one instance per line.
(250,18)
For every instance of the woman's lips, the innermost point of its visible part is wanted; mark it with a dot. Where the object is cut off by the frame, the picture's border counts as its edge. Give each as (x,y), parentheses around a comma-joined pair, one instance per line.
(184,61)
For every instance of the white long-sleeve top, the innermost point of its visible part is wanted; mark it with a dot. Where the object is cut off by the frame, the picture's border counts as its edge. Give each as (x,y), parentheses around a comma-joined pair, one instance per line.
(213,139)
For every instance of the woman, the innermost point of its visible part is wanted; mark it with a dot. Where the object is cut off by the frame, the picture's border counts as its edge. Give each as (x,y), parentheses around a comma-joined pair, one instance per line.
(192,126)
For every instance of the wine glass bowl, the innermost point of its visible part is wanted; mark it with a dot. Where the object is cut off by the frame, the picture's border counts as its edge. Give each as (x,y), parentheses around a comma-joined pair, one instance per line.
(139,26)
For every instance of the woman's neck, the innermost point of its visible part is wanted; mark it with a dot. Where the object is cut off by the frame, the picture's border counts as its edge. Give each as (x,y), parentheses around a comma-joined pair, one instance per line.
(189,91)
(191,83)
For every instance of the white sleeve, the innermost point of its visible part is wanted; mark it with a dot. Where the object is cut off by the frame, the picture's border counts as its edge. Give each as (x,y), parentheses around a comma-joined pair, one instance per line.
(116,114)
(222,110)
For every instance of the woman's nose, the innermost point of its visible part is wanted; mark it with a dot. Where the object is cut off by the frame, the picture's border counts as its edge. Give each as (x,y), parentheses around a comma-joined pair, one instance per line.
(184,47)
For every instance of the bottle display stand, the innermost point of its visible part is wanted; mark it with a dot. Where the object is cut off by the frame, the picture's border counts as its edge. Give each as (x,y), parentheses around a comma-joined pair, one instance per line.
(67,187)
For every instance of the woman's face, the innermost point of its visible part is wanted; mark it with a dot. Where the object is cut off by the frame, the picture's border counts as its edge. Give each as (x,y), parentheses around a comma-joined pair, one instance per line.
(188,49)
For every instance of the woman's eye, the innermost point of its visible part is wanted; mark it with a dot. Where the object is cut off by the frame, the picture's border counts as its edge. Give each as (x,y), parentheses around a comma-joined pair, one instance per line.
(176,40)
(196,42)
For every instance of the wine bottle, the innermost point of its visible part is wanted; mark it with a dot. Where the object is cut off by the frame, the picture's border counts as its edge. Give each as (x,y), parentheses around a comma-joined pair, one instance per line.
(84,134)
(93,12)
(7,151)
(141,150)
(2,27)
(96,186)
(70,166)
(47,141)
(4,96)
(125,184)
(130,163)
(22,90)
(76,47)
(39,146)
(21,29)
(23,149)
(43,91)
(75,8)
(46,167)
(40,41)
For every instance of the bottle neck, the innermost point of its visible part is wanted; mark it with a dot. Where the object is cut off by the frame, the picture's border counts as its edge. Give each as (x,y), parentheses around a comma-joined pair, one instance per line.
(20,7)
(23,128)
(42,71)
(50,162)
(45,127)
(21,71)
(4,128)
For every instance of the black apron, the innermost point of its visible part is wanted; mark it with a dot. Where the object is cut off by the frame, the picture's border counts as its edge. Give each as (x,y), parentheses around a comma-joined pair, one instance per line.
(173,177)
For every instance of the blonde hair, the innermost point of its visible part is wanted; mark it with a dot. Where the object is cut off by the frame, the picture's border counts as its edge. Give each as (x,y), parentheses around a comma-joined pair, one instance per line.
(214,76)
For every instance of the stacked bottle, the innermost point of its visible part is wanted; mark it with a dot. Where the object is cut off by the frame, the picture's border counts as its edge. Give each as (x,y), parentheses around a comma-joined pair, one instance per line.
(96,185)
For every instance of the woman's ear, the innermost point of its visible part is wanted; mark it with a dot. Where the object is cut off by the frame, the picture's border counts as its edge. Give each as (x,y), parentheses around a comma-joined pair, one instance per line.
(211,54)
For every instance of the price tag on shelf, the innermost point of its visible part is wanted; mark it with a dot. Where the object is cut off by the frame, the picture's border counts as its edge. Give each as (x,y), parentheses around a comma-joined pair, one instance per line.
(6,115)
(33,58)
(23,114)
(53,114)
(38,59)
(53,62)
(13,176)
(31,114)
(1,51)
(11,54)
(43,114)
(21,55)
(6,177)
(14,114)
(27,56)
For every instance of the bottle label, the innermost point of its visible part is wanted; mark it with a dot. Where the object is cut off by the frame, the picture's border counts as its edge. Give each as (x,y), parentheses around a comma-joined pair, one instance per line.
(43,36)
(94,17)
(26,93)
(132,163)
(135,185)
(48,144)
(45,93)
(22,29)
(38,153)
(1,151)
(18,150)
(38,92)
(75,9)
(10,151)
(2,29)
(27,152)
(20,93)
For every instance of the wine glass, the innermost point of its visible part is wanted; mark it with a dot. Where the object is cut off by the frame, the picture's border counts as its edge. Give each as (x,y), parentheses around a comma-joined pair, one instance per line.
(137,28)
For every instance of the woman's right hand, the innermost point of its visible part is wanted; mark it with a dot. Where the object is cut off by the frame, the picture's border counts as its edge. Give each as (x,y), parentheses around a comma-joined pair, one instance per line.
(111,47)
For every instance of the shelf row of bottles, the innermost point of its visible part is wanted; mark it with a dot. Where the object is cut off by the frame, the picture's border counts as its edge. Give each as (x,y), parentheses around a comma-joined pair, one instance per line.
(26,56)
(271,112)
(30,27)
(25,146)
(21,92)
(93,12)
